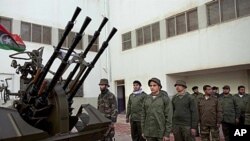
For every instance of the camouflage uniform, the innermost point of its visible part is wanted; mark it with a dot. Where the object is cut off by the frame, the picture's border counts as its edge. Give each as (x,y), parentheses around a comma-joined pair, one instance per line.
(156,117)
(242,101)
(231,111)
(197,96)
(108,106)
(210,114)
(134,110)
(185,116)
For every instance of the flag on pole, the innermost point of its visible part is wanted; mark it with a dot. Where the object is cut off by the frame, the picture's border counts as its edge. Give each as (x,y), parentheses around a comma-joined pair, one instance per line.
(10,41)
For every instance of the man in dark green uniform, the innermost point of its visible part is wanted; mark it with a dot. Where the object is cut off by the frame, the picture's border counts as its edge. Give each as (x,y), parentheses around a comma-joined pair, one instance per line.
(242,99)
(134,110)
(185,113)
(197,95)
(156,113)
(215,92)
(107,105)
(210,113)
(231,113)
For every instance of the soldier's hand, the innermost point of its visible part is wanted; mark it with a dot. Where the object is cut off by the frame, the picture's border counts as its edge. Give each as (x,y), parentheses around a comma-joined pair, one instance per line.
(112,125)
(166,138)
(237,120)
(143,136)
(127,120)
(193,132)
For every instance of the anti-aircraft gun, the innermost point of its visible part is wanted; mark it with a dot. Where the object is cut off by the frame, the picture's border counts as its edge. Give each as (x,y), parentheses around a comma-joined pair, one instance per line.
(44,110)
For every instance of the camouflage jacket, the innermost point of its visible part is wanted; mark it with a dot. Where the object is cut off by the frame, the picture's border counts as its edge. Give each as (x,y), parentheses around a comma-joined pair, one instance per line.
(230,108)
(242,101)
(197,96)
(210,111)
(156,119)
(185,112)
(134,106)
(107,105)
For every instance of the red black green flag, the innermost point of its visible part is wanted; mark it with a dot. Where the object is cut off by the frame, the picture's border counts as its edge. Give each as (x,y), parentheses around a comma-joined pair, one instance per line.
(10,41)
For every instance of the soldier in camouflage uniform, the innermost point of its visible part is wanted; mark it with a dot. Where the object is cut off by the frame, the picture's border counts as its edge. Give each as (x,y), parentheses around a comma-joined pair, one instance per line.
(107,105)
(242,99)
(156,113)
(185,114)
(231,113)
(197,95)
(134,110)
(210,115)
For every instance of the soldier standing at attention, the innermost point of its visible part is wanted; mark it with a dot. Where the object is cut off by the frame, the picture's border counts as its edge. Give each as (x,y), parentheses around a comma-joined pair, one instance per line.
(156,113)
(242,99)
(134,110)
(210,114)
(107,105)
(185,114)
(197,95)
(231,113)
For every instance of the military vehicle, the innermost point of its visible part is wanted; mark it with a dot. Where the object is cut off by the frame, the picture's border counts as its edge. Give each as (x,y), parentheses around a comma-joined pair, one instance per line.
(44,108)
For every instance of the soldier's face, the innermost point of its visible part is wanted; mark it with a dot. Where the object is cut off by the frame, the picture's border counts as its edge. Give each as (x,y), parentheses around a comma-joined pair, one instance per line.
(195,90)
(179,88)
(242,90)
(215,91)
(154,87)
(136,87)
(208,91)
(226,91)
(102,87)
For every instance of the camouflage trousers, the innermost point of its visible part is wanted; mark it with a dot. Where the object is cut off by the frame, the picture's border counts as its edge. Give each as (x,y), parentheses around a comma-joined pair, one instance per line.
(136,131)
(207,130)
(182,133)
(153,139)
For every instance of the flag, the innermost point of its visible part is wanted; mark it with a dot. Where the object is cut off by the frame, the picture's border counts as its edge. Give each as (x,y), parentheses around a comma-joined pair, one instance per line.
(10,41)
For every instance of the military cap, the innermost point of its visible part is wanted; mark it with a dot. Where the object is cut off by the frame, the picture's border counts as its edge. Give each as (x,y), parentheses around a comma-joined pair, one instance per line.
(104,81)
(137,82)
(156,80)
(181,82)
(226,87)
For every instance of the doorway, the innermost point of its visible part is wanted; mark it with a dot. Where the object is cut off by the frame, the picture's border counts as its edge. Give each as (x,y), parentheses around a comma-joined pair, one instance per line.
(120,88)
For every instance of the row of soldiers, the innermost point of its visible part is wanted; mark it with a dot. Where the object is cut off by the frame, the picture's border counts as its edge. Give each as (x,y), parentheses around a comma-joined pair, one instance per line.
(152,117)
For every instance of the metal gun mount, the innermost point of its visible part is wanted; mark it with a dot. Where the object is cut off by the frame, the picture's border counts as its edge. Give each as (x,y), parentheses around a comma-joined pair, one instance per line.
(44,110)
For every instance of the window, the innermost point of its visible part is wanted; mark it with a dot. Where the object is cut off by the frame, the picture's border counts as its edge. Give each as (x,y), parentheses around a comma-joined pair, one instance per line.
(69,39)
(243,8)
(181,24)
(126,41)
(192,20)
(35,33)
(26,31)
(46,35)
(156,31)
(95,45)
(227,10)
(148,34)
(171,27)
(139,37)
(6,22)
(213,13)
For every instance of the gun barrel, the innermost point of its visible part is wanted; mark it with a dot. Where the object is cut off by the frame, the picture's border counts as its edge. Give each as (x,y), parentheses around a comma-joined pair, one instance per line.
(71,75)
(63,65)
(46,68)
(104,45)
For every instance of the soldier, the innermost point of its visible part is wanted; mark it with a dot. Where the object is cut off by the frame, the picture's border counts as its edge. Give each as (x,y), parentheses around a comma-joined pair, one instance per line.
(215,91)
(242,99)
(210,114)
(156,113)
(134,110)
(107,105)
(185,114)
(231,113)
(197,95)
